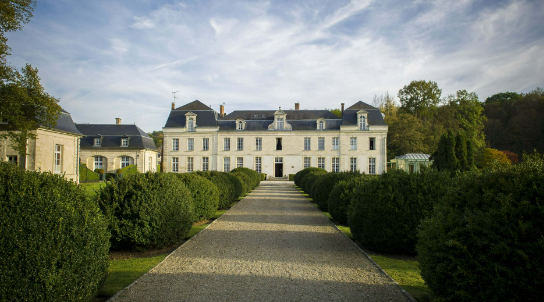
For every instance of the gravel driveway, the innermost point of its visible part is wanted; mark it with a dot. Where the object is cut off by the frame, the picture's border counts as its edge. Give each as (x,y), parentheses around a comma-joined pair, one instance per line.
(273,245)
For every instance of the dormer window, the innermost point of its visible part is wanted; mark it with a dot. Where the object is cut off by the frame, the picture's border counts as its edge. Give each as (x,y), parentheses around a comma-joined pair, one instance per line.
(124,142)
(362,116)
(190,123)
(320,124)
(279,123)
(97,142)
(240,124)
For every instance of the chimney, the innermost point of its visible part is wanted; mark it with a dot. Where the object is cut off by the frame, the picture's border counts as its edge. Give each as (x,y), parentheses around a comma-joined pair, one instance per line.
(221,110)
(297,106)
(173,105)
(117,121)
(342,104)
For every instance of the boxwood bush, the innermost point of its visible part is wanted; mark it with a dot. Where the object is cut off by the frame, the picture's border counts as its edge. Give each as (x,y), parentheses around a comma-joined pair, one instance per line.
(54,241)
(322,187)
(300,175)
(484,241)
(205,195)
(309,179)
(245,181)
(253,175)
(237,185)
(340,197)
(386,211)
(222,181)
(87,175)
(147,210)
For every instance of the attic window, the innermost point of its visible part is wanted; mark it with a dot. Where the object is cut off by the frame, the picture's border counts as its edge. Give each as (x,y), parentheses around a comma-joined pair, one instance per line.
(279,125)
(362,122)
(240,125)
(191,125)
(124,142)
(255,115)
(97,142)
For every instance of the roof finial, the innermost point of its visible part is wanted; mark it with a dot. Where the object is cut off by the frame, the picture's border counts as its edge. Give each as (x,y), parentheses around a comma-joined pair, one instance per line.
(280,108)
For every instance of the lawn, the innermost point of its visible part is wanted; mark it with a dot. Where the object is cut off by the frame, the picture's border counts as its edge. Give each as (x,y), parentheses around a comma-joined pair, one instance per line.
(91,187)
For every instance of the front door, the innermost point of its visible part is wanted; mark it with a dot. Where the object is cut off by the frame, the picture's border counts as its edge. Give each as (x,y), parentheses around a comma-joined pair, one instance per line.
(279,167)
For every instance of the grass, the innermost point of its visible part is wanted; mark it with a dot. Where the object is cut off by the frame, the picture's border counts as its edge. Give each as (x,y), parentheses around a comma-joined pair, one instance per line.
(91,187)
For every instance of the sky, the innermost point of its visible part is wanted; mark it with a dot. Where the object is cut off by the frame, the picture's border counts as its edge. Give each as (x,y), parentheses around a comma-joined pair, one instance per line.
(107,59)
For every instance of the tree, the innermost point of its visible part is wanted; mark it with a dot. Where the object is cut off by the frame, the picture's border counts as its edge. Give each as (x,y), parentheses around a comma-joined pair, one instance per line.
(468,111)
(13,14)
(444,158)
(419,98)
(502,97)
(157,137)
(336,112)
(489,155)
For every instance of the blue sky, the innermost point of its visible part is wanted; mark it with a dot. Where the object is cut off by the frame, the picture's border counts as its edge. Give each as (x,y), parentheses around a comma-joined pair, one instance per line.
(107,59)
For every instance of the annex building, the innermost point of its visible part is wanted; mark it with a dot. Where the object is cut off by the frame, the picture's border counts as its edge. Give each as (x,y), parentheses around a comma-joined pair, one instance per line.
(277,143)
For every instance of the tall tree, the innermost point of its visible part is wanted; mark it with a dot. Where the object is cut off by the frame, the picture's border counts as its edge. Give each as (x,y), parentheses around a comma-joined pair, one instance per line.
(13,15)
(468,111)
(444,158)
(420,98)
(461,150)
(336,112)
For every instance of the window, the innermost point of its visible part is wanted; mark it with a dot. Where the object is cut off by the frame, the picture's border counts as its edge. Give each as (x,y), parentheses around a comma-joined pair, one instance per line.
(125,161)
(240,125)
(335,164)
(124,142)
(307,162)
(411,168)
(175,163)
(371,166)
(98,164)
(321,162)
(205,144)
(321,143)
(353,164)
(258,144)
(362,122)
(191,125)
(321,125)
(190,164)
(335,143)
(204,164)
(371,143)
(226,164)
(239,162)
(190,144)
(175,144)
(240,144)
(97,142)
(226,144)
(307,143)
(279,125)
(12,159)
(278,143)
(58,158)
(258,163)
(353,143)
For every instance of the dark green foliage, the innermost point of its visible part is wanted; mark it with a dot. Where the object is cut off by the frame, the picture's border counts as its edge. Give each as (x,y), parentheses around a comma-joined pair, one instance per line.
(147,210)
(86,174)
(225,187)
(291,177)
(245,181)
(484,239)
(255,178)
(340,197)
(100,171)
(54,241)
(386,211)
(309,179)
(263,176)
(129,170)
(322,187)
(300,175)
(205,195)
(461,150)
(238,186)
(470,155)
(444,158)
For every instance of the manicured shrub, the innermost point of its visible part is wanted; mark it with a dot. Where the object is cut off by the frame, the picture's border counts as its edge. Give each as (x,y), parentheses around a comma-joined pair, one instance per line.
(255,178)
(300,175)
(322,187)
(263,176)
(340,197)
(222,181)
(291,177)
(205,195)
(129,170)
(100,171)
(237,185)
(484,239)
(245,181)
(309,179)
(386,211)
(147,210)
(87,175)
(54,241)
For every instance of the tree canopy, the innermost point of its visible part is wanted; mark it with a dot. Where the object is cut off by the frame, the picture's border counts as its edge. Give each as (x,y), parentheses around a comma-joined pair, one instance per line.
(419,98)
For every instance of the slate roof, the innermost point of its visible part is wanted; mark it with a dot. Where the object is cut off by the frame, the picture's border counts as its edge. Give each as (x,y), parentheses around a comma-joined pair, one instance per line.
(194,105)
(112,134)
(204,118)
(360,105)
(269,115)
(64,124)
(414,156)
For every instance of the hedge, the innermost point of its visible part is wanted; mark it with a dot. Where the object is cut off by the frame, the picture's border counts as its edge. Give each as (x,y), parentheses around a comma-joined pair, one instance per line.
(253,175)
(323,186)
(291,177)
(386,211)
(54,241)
(205,195)
(340,197)
(484,240)
(309,179)
(300,175)
(87,175)
(237,185)
(222,181)
(147,210)
(129,170)
(245,181)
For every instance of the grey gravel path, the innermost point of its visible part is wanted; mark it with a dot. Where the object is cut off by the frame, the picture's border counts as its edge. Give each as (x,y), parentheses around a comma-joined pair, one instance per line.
(273,245)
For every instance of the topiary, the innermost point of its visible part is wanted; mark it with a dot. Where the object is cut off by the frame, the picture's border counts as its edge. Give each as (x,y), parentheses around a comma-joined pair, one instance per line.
(205,195)
(227,194)
(245,181)
(253,175)
(308,180)
(484,239)
(385,211)
(147,210)
(323,186)
(340,197)
(300,175)
(54,240)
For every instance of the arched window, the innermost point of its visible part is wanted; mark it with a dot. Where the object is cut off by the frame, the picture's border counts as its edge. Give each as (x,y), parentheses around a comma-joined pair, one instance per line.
(362,123)
(321,125)
(240,125)
(190,125)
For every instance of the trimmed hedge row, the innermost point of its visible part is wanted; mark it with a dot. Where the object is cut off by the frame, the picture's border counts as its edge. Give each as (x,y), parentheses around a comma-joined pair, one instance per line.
(147,210)
(340,197)
(205,195)
(86,174)
(484,240)
(255,178)
(225,187)
(54,241)
(245,181)
(300,175)
(322,187)
(309,179)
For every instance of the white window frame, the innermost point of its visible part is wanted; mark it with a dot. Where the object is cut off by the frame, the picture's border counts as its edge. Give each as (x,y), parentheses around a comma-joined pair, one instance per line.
(240,144)
(307,143)
(205,164)
(98,162)
(362,122)
(372,165)
(307,162)
(58,159)
(321,125)
(239,162)
(258,164)
(125,161)
(226,144)
(353,143)
(320,143)
(175,164)
(205,144)
(258,144)
(335,164)
(175,144)
(353,164)
(190,164)
(190,144)
(336,143)
(97,142)
(124,142)
(190,125)
(279,123)
(321,162)
(240,125)
(226,164)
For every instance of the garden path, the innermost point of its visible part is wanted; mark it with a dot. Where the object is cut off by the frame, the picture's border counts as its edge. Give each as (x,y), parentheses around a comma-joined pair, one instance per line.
(273,245)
